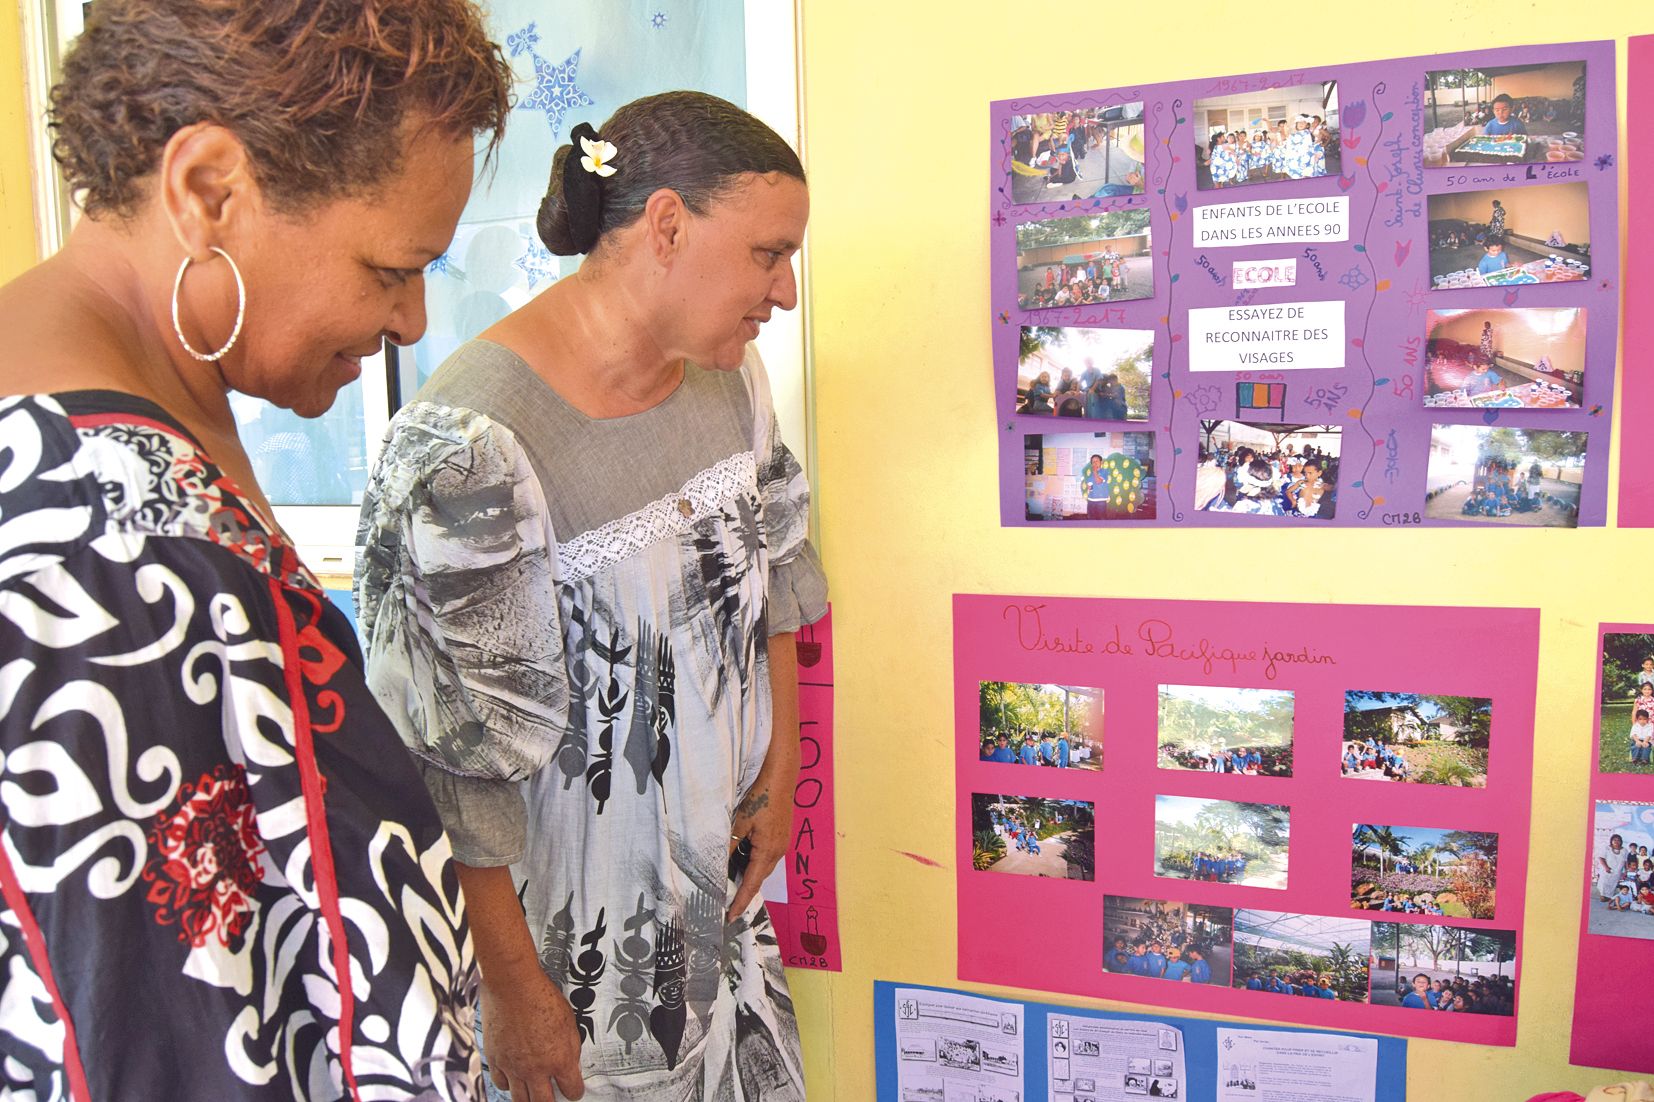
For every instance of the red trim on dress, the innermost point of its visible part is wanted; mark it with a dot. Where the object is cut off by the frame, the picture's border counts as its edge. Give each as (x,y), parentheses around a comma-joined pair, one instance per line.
(36,942)
(98,420)
(321,847)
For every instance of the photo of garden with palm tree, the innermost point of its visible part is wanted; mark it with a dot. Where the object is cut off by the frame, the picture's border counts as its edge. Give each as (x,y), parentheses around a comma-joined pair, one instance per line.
(1033,836)
(1292,954)
(1059,726)
(1417,738)
(1422,870)
(1221,841)
(1222,730)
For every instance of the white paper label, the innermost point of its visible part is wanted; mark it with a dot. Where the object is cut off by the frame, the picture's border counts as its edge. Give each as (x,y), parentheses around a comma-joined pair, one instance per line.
(1272,222)
(1265,273)
(1284,336)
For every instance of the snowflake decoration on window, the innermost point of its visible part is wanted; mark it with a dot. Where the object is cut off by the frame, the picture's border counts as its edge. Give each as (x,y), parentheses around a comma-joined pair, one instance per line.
(658,20)
(537,264)
(523,41)
(555,90)
(1354,279)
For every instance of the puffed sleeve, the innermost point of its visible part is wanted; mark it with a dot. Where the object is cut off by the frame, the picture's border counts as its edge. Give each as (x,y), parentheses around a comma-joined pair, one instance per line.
(797,593)
(458,612)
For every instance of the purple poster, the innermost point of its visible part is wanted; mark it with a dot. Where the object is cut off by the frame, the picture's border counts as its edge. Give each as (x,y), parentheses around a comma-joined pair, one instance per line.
(1380,294)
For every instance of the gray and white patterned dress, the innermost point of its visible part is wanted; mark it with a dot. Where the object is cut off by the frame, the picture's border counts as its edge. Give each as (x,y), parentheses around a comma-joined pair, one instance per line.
(567,620)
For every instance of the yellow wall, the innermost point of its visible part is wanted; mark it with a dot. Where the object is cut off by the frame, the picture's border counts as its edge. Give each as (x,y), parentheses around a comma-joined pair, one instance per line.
(1530,212)
(896,109)
(17,242)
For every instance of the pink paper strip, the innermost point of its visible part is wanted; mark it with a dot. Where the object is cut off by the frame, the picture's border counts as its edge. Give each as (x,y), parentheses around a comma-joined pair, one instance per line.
(1047,934)
(1637,448)
(1605,1035)
(806,925)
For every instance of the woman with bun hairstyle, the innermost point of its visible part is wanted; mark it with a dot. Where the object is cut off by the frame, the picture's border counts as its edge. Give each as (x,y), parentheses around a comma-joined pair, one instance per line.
(586,558)
(221,877)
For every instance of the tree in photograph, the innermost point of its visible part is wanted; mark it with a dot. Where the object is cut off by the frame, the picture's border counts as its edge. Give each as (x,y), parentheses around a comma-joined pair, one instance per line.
(1381,841)
(1622,662)
(1082,229)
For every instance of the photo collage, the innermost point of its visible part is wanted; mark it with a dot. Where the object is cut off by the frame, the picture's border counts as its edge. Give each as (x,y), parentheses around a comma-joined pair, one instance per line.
(1424,880)
(1249,303)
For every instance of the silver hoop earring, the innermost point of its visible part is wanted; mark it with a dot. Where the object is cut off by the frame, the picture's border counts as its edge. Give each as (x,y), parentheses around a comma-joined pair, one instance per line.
(240,307)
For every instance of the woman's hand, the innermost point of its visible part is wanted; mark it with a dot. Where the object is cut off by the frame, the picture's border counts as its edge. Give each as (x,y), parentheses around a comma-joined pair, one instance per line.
(764,817)
(530,1039)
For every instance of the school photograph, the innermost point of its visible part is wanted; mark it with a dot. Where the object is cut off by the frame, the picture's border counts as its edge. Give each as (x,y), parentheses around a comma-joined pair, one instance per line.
(1527,358)
(1221,841)
(1506,237)
(1267,136)
(1166,940)
(1098,374)
(1040,726)
(1619,884)
(1505,475)
(1085,260)
(1267,469)
(1423,870)
(1625,742)
(1078,476)
(1214,729)
(1033,836)
(1505,115)
(1307,956)
(1445,969)
(1084,153)
(1416,738)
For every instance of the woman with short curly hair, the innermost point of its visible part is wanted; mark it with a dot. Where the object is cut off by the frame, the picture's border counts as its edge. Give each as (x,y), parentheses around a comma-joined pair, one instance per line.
(220,877)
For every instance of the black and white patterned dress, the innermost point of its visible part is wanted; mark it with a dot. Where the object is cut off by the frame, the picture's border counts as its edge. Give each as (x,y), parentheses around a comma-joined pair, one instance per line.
(568,619)
(221,877)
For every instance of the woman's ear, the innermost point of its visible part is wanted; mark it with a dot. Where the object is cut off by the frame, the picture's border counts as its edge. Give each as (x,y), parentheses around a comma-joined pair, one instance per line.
(206,186)
(665,224)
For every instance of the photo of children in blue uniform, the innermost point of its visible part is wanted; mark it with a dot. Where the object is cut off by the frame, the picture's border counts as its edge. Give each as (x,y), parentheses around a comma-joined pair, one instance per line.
(1416,738)
(1167,940)
(1445,969)
(1423,870)
(1267,137)
(1221,841)
(1305,956)
(1033,836)
(1046,726)
(1215,729)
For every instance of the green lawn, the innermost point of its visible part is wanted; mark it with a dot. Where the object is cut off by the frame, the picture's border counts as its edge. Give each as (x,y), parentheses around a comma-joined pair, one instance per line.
(1615,752)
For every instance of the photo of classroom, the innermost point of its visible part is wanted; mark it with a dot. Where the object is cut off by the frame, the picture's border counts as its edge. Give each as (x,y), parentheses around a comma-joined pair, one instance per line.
(1033,836)
(1502,475)
(1267,136)
(1165,940)
(1505,237)
(1416,738)
(1529,358)
(1423,870)
(1310,956)
(1448,969)
(1089,476)
(1215,729)
(1505,115)
(1267,469)
(1221,841)
(1043,726)
(1099,374)
(1089,153)
(1619,884)
(1084,260)
(1625,740)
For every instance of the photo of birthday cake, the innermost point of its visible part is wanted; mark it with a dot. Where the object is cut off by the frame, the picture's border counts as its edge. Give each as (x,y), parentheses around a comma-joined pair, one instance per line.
(1512,147)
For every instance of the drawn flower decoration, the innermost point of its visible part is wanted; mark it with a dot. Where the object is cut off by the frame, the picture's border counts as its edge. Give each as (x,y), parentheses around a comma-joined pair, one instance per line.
(1204,398)
(597,156)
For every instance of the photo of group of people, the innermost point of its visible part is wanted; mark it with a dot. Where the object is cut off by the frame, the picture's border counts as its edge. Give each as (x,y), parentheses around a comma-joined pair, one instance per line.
(1506,115)
(1221,841)
(1505,237)
(1089,476)
(1528,477)
(1619,886)
(1526,358)
(1084,260)
(1308,956)
(1215,729)
(1099,374)
(1033,836)
(1044,726)
(1625,742)
(1448,969)
(1266,469)
(1085,153)
(1417,738)
(1165,940)
(1267,136)
(1423,870)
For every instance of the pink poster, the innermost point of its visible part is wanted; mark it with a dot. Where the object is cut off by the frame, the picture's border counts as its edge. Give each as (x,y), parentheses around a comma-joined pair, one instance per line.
(1616,936)
(1309,813)
(1637,450)
(805,914)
